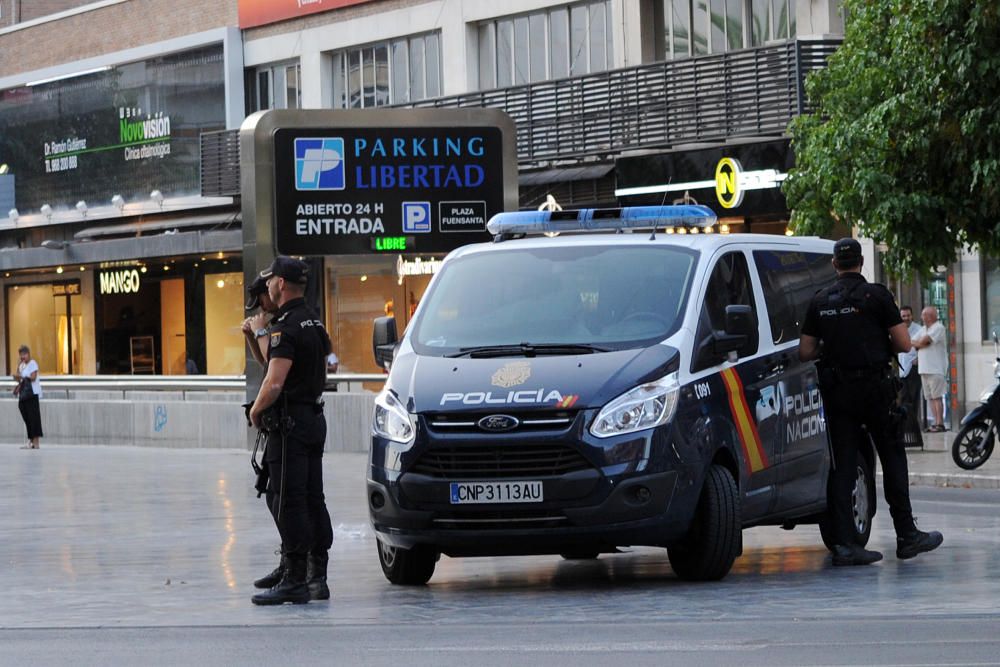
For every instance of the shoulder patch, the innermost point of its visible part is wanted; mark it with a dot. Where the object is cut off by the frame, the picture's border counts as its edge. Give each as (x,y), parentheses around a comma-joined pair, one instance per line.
(275,339)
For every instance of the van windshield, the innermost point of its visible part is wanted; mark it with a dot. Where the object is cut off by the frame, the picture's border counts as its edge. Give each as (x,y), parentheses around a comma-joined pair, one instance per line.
(607,297)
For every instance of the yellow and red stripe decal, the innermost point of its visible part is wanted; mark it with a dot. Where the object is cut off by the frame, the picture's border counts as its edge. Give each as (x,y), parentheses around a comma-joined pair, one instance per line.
(746,427)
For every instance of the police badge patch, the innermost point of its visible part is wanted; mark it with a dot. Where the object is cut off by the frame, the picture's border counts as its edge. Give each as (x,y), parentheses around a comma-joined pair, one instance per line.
(512,374)
(275,339)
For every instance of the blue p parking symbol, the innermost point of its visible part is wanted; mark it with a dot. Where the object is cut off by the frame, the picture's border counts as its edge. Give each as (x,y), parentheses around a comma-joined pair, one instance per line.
(319,164)
(416,217)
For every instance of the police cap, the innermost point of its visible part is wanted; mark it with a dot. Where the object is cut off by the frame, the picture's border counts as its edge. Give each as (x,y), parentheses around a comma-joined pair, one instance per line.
(847,251)
(257,287)
(291,269)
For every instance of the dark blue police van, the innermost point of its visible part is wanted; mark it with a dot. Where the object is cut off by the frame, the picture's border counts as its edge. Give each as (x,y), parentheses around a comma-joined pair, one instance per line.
(601,378)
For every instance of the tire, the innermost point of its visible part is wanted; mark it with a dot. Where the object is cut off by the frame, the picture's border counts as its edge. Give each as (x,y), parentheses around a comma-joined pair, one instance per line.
(863,504)
(966,451)
(715,540)
(407,567)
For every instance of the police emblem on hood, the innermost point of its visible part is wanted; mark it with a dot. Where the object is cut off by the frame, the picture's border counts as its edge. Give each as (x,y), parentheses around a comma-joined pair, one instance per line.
(499,423)
(512,374)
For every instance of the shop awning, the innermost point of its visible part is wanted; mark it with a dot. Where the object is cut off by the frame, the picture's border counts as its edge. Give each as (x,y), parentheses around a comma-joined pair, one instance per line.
(155,225)
(563,174)
(83,252)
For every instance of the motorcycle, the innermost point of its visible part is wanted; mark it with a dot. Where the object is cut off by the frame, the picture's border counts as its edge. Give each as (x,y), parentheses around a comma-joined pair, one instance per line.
(975,440)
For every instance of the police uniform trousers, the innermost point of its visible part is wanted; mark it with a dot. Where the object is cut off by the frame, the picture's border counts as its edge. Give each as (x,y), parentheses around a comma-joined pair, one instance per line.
(296,500)
(850,404)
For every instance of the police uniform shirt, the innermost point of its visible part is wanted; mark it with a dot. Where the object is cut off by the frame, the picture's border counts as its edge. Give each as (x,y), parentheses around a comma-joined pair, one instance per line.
(853,317)
(298,334)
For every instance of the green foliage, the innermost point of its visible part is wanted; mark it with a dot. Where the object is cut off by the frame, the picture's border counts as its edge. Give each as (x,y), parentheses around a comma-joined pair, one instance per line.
(904,141)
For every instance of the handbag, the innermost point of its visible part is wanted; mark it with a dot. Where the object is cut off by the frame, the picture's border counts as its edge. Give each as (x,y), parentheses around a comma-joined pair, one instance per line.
(25,391)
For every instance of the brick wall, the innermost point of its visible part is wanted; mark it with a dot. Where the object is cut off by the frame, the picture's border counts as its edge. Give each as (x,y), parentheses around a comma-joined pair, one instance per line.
(33,9)
(109,29)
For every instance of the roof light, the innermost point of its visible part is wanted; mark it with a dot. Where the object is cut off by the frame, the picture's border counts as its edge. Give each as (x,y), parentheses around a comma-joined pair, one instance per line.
(601,219)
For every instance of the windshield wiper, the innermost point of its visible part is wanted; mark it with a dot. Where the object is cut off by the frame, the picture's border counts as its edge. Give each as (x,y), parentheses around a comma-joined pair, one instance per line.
(526,350)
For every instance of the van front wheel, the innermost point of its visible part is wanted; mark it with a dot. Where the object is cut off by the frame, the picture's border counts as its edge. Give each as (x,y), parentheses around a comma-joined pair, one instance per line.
(407,567)
(715,540)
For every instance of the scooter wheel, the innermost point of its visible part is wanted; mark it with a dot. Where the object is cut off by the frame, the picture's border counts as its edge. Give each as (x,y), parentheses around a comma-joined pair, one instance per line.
(973,445)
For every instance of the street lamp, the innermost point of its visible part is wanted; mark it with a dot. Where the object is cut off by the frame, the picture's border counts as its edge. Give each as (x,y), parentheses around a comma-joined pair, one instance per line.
(81,206)
(157,196)
(46,211)
(118,202)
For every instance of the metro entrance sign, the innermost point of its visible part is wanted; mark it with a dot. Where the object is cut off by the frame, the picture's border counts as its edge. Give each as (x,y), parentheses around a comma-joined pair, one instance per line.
(415,181)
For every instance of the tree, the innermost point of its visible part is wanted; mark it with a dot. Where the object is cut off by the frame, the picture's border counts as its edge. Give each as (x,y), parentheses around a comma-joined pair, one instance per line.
(904,138)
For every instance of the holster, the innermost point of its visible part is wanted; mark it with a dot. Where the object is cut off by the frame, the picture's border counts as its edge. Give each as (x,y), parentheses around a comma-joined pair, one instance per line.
(263,476)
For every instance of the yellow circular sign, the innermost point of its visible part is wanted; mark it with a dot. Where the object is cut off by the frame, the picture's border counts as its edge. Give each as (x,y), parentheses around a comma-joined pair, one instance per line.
(727,182)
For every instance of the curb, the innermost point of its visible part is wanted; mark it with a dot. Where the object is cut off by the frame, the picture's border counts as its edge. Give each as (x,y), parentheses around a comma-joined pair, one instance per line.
(953,480)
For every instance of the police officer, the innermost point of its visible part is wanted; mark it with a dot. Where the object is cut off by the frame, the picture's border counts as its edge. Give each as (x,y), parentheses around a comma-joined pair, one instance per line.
(859,327)
(292,387)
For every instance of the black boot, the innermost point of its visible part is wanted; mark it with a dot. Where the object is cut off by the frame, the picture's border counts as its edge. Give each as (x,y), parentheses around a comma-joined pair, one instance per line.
(316,576)
(847,555)
(915,542)
(271,580)
(292,587)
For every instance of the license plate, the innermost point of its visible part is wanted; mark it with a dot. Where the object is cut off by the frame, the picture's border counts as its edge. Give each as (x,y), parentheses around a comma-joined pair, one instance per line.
(477,493)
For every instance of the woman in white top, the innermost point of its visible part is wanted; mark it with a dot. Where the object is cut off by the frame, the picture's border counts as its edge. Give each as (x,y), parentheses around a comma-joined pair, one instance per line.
(28,390)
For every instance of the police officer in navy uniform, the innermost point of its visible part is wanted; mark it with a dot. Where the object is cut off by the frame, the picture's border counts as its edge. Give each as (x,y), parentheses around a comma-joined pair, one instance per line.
(289,405)
(859,327)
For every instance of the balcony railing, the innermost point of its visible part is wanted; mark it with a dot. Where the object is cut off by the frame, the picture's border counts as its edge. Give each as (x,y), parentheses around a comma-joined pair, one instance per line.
(748,93)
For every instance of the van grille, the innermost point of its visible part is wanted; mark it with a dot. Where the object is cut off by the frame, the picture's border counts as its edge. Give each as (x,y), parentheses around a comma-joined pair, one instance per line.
(493,461)
(527,421)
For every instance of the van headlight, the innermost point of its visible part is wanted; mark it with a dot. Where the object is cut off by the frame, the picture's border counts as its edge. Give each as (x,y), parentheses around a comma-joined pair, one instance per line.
(644,407)
(391,420)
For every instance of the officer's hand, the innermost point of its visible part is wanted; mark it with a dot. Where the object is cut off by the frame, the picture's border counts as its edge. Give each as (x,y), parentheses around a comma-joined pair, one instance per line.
(255,417)
(258,321)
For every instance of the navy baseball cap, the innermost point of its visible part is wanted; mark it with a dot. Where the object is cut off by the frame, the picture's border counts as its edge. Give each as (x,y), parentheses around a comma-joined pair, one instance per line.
(291,269)
(257,287)
(847,251)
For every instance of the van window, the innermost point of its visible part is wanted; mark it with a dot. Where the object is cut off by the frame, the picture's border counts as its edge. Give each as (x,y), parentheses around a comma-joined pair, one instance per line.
(728,285)
(615,297)
(789,280)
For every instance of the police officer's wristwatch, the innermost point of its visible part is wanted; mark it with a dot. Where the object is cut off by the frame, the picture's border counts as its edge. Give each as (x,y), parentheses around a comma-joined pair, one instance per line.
(260,332)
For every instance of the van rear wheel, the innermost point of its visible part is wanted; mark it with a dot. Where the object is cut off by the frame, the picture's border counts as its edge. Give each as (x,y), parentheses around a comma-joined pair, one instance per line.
(862,508)
(715,540)
(407,567)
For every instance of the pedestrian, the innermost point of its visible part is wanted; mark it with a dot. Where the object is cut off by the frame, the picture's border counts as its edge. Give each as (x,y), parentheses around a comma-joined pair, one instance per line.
(289,404)
(256,327)
(190,367)
(28,391)
(909,376)
(932,364)
(859,327)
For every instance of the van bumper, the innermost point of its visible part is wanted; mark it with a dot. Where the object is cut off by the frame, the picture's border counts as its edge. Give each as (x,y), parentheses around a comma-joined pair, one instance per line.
(637,509)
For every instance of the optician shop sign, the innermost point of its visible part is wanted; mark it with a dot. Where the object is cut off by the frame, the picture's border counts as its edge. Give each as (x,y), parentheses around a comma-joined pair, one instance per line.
(400,187)
(742,179)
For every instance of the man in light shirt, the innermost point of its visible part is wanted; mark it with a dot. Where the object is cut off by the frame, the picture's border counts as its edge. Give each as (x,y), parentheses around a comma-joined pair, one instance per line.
(932,364)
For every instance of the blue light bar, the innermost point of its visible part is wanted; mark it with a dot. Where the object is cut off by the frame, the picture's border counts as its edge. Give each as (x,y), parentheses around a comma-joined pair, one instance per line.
(600,219)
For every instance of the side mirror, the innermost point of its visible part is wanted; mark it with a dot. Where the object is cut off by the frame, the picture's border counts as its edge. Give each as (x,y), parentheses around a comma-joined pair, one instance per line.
(384,339)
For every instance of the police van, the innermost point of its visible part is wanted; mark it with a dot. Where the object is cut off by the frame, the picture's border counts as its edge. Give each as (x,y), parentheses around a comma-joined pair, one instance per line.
(603,378)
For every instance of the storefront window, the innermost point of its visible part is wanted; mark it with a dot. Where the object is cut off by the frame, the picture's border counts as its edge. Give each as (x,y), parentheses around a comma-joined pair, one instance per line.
(991,297)
(48,319)
(359,290)
(224,345)
(152,317)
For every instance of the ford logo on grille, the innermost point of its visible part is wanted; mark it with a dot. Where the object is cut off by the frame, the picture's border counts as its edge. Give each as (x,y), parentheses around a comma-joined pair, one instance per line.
(499,423)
